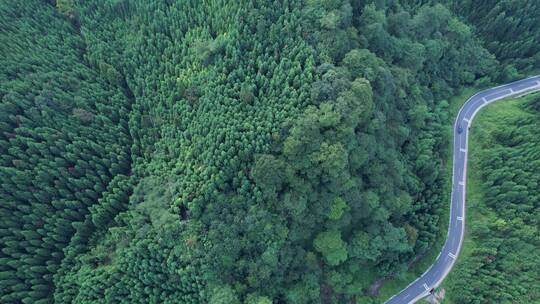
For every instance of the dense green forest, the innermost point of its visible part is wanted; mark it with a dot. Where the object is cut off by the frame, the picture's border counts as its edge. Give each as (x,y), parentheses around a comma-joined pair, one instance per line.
(501,262)
(65,147)
(508,27)
(230,151)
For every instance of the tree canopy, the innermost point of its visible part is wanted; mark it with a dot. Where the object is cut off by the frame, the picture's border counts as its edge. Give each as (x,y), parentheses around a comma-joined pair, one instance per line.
(230,151)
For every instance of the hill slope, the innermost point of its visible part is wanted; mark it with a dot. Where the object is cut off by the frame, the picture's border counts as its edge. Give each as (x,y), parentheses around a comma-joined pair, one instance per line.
(220,151)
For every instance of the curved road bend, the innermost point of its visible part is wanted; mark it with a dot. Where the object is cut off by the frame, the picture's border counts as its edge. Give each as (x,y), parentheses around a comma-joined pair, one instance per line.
(436,273)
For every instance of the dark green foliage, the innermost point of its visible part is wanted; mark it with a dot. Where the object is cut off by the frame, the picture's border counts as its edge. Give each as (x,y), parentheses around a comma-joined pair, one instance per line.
(371,152)
(222,151)
(509,28)
(210,93)
(63,140)
(141,256)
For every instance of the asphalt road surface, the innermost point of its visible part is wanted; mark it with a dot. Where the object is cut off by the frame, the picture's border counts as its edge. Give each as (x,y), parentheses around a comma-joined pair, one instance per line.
(433,277)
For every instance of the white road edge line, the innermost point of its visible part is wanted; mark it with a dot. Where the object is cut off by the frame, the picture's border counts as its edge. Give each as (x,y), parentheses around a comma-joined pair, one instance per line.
(456,123)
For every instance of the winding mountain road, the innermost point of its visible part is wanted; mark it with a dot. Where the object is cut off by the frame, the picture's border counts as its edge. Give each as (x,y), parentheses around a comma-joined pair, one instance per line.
(436,273)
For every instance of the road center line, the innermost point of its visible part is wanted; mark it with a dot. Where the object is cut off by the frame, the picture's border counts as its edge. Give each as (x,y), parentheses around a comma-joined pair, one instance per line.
(455,201)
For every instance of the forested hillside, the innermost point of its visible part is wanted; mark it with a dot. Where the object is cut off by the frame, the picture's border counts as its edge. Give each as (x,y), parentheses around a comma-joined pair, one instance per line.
(64,146)
(224,151)
(501,263)
(508,27)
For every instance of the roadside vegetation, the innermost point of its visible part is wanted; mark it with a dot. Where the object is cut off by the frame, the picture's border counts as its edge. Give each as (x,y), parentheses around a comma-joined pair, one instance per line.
(227,151)
(499,262)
